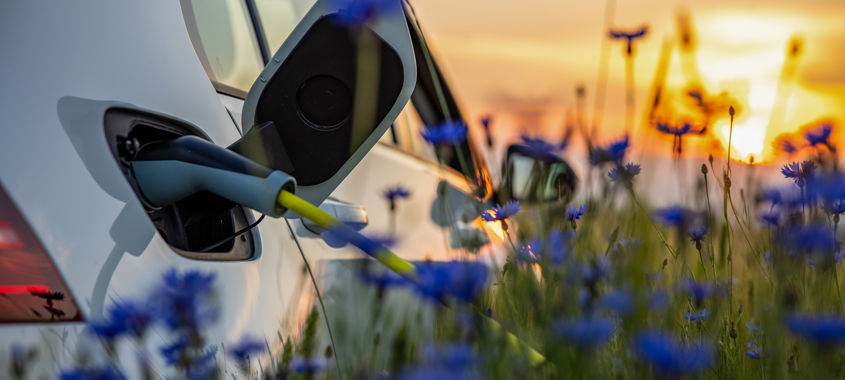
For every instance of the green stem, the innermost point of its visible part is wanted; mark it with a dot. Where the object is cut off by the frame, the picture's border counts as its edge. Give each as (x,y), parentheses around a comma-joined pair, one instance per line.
(710,218)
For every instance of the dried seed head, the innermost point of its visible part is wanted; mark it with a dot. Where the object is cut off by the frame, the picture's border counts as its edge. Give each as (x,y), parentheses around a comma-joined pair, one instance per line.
(731,111)
(703,169)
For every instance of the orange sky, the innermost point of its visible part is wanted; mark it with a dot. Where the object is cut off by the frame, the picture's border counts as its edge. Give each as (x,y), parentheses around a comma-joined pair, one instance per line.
(523,60)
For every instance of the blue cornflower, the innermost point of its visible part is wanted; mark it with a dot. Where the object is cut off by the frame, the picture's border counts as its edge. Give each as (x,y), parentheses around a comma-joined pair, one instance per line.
(586,332)
(697,95)
(556,248)
(621,302)
(799,173)
(123,318)
(696,235)
(819,136)
(459,279)
(700,291)
(382,279)
(837,208)
(540,148)
(624,173)
(246,348)
(485,122)
(501,212)
(808,239)
(530,252)
(697,316)
(198,364)
(575,213)
(675,216)
(670,357)
(204,371)
(752,328)
(559,246)
(358,12)
(341,234)
(585,300)
(302,365)
(823,330)
(396,192)
(753,350)
(101,373)
(787,146)
(771,195)
(830,189)
(770,219)
(613,152)
(455,361)
(595,271)
(448,133)
(176,352)
(185,300)
(678,131)
(629,37)
(393,193)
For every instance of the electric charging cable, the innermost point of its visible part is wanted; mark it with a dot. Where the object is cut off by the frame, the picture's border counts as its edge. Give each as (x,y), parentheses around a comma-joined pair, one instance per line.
(168,171)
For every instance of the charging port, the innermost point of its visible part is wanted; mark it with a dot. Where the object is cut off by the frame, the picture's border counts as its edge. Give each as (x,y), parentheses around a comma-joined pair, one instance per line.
(195,223)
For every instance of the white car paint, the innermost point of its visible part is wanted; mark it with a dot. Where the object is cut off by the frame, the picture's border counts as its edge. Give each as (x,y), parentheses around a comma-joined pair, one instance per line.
(64,64)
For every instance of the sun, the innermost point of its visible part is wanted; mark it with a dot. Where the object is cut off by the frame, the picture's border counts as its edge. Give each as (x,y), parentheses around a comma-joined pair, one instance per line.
(748,139)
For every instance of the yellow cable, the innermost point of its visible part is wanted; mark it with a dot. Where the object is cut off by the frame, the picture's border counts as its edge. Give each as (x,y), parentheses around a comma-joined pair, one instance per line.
(386,257)
(323,219)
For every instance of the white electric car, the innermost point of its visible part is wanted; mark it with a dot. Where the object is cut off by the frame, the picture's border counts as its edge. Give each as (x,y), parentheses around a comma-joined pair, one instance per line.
(84,83)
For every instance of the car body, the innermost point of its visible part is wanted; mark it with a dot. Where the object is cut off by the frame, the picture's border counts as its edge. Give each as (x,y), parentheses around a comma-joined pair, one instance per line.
(71,67)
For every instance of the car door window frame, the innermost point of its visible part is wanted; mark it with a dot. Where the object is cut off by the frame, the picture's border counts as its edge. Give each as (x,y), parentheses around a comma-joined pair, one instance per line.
(199,49)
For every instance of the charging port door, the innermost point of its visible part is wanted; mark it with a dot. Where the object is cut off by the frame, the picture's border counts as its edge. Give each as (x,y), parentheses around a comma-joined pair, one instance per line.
(201,226)
(308,92)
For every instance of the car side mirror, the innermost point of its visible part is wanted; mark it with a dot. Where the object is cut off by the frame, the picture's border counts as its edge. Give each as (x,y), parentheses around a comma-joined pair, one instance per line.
(531,177)
(300,112)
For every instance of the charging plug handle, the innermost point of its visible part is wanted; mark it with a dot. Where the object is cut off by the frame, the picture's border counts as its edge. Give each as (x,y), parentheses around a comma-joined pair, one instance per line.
(168,171)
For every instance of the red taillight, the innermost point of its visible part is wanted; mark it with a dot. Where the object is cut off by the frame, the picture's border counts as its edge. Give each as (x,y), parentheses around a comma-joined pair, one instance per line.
(31,289)
(9,238)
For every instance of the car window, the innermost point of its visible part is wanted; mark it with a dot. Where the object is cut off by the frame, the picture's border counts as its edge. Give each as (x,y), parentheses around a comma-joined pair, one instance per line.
(223,37)
(279,17)
(406,130)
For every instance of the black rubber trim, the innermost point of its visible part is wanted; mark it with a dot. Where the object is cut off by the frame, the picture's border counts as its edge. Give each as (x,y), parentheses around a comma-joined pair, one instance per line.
(258,30)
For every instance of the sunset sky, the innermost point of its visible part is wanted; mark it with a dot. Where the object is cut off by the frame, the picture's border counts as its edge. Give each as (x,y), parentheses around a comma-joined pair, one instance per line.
(522,60)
